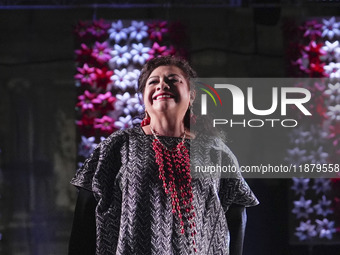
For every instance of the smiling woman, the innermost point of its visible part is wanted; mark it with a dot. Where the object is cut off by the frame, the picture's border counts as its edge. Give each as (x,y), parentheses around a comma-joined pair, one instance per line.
(176,74)
(137,194)
(167,98)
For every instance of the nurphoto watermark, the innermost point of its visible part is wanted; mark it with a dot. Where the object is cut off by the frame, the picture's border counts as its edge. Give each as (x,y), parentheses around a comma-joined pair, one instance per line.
(266,110)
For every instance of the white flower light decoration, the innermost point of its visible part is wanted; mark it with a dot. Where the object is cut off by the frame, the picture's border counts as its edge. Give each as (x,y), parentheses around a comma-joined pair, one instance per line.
(334,113)
(333,93)
(321,185)
(333,70)
(325,228)
(299,136)
(305,231)
(118,32)
(318,156)
(80,164)
(134,106)
(302,208)
(296,156)
(120,56)
(323,207)
(138,30)
(133,77)
(86,146)
(136,121)
(123,122)
(302,62)
(330,28)
(333,51)
(316,136)
(300,185)
(121,79)
(139,53)
(121,102)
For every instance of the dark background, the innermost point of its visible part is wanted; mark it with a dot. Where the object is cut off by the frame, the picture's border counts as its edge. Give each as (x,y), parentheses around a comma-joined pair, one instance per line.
(37,115)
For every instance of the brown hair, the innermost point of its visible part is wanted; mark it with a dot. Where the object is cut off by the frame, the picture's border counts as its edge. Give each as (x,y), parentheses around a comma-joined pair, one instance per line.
(182,64)
(204,124)
(152,64)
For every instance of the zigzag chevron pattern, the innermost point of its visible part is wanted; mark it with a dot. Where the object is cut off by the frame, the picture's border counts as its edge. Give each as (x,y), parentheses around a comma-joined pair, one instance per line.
(133,214)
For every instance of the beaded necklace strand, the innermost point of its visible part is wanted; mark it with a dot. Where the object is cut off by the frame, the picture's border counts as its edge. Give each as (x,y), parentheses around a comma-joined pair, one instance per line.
(174,172)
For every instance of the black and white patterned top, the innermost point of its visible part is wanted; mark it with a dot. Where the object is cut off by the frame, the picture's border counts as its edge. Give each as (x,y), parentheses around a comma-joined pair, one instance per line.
(133,213)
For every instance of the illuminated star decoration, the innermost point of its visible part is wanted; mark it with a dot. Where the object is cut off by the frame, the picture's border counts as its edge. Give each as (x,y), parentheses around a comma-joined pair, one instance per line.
(330,28)
(332,70)
(86,146)
(334,113)
(123,122)
(122,79)
(134,106)
(323,207)
(318,156)
(139,53)
(305,231)
(332,50)
(333,93)
(325,228)
(138,31)
(121,103)
(300,185)
(302,208)
(321,185)
(311,29)
(118,32)
(120,56)
(296,156)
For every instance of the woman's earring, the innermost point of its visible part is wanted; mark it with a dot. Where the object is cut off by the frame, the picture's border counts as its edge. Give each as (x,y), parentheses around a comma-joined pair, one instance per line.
(146,120)
(193,117)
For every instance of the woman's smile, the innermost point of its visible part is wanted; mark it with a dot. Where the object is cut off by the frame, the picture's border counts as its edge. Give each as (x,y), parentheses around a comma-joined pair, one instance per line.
(167,92)
(163,96)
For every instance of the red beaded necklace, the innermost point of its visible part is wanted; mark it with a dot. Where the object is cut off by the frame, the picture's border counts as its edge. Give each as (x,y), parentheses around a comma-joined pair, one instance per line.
(174,172)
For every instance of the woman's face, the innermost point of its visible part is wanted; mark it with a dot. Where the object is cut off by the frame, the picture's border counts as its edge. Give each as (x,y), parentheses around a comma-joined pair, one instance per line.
(167,92)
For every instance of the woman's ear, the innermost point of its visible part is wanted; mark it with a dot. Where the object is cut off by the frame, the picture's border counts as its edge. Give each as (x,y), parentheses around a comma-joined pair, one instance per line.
(192,96)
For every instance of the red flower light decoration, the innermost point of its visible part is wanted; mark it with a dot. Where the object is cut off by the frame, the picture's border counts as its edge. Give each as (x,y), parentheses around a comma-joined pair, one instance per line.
(334,134)
(86,101)
(337,203)
(317,105)
(105,125)
(86,75)
(81,30)
(316,70)
(101,53)
(84,54)
(157,30)
(103,78)
(105,102)
(85,125)
(158,50)
(311,29)
(314,51)
(99,30)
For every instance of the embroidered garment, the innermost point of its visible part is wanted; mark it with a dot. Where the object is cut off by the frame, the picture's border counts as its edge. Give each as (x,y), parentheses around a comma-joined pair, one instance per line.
(134,214)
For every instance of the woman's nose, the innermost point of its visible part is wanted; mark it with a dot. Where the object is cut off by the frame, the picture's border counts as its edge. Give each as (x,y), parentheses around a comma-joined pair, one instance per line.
(163,85)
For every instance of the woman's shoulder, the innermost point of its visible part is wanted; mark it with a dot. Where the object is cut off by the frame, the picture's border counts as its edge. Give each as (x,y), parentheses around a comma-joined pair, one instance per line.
(107,151)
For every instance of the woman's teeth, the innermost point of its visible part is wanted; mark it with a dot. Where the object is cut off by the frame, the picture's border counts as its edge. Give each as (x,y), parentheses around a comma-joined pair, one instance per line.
(163,96)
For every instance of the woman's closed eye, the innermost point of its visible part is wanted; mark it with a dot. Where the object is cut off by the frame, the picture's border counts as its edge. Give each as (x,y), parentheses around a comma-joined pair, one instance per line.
(152,82)
(172,80)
